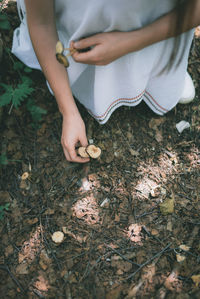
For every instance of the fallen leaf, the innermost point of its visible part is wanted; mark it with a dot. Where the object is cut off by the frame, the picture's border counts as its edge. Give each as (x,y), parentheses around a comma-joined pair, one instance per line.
(134,233)
(9,250)
(196,279)
(32,221)
(22,269)
(158,136)
(167,207)
(133,152)
(156,122)
(180,258)
(184,247)
(25,176)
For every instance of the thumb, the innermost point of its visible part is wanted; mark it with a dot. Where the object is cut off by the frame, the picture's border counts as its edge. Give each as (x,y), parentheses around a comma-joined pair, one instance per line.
(83,140)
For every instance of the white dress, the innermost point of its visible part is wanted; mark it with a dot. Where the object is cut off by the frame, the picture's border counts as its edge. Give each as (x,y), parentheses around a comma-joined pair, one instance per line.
(128,80)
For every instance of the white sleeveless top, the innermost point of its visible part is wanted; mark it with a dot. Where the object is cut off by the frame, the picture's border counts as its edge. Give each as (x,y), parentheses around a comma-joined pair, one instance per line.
(129,79)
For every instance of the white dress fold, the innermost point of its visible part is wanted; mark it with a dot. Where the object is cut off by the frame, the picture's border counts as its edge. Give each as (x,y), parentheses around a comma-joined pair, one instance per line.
(128,80)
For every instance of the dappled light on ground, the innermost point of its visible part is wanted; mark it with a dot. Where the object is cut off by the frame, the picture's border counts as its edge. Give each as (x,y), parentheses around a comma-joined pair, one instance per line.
(31,248)
(129,221)
(87,209)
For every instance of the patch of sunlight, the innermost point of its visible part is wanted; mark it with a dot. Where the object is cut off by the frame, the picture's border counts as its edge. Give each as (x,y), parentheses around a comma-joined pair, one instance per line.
(194,157)
(154,174)
(146,186)
(87,209)
(40,286)
(31,248)
(134,233)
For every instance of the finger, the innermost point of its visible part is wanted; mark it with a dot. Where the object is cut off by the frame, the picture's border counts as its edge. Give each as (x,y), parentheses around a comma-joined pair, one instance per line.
(75,158)
(85,57)
(66,155)
(83,140)
(86,42)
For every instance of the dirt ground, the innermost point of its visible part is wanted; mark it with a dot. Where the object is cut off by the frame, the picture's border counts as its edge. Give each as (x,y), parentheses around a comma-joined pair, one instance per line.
(130,219)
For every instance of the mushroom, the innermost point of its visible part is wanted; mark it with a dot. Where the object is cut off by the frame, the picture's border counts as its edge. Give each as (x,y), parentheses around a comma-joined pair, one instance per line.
(25,176)
(93,151)
(89,151)
(58,237)
(60,56)
(62,59)
(59,48)
(82,152)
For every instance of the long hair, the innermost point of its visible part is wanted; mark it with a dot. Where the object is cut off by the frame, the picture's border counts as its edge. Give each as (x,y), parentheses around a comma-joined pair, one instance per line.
(176,56)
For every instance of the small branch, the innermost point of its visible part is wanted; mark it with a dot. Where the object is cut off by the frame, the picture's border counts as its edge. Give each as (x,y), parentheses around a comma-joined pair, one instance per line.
(6,268)
(149,261)
(122,256)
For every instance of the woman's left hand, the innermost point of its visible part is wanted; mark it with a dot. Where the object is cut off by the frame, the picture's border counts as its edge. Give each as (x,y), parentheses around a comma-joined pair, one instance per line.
(105,47)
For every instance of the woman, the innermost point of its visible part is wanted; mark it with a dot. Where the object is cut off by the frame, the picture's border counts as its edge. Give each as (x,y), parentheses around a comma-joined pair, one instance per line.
(130,44)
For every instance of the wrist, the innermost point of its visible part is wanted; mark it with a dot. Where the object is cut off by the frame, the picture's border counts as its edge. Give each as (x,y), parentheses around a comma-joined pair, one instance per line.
(67,106)
(136,40)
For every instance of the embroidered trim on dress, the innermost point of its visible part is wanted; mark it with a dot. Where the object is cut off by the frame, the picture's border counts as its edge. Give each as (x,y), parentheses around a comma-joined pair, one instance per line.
(147,95)
(116,104)
(128,102)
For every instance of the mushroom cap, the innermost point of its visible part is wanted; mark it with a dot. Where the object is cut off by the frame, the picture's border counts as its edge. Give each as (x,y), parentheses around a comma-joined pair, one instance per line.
(59,47)
(62,59)
(58,237)
(82,152)
(25,176)
(93,151)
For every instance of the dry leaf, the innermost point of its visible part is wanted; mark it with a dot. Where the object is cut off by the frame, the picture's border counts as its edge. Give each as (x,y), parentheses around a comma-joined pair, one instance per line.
(134,233)
(196,279)
(22,269)
(167,207)
(180,258)
(184,247)
(25,176)
(133,152)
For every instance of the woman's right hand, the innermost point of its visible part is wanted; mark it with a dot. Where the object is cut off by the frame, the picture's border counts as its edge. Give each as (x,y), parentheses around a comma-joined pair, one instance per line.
(73,134)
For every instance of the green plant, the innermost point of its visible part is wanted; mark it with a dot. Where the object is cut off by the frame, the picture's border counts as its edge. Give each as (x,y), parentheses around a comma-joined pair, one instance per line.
(16,95)
(3,208)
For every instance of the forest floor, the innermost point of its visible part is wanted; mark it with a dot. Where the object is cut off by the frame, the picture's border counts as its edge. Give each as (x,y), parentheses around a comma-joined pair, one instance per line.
(130,219)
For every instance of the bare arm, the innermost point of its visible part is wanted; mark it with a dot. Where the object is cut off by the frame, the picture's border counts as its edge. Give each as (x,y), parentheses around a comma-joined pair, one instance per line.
(109,46)
(42,28)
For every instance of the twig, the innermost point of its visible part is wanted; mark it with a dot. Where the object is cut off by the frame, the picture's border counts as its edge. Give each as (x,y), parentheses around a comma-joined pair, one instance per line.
(6,268)
(149,261)
(87,272)
(53,255)
(122,256)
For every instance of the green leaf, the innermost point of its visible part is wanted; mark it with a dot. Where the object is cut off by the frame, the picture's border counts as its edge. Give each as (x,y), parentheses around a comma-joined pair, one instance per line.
(18,66)
(21,92)
(2,209)
(36,111)
(6,98)
(27,69)
(16,95)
